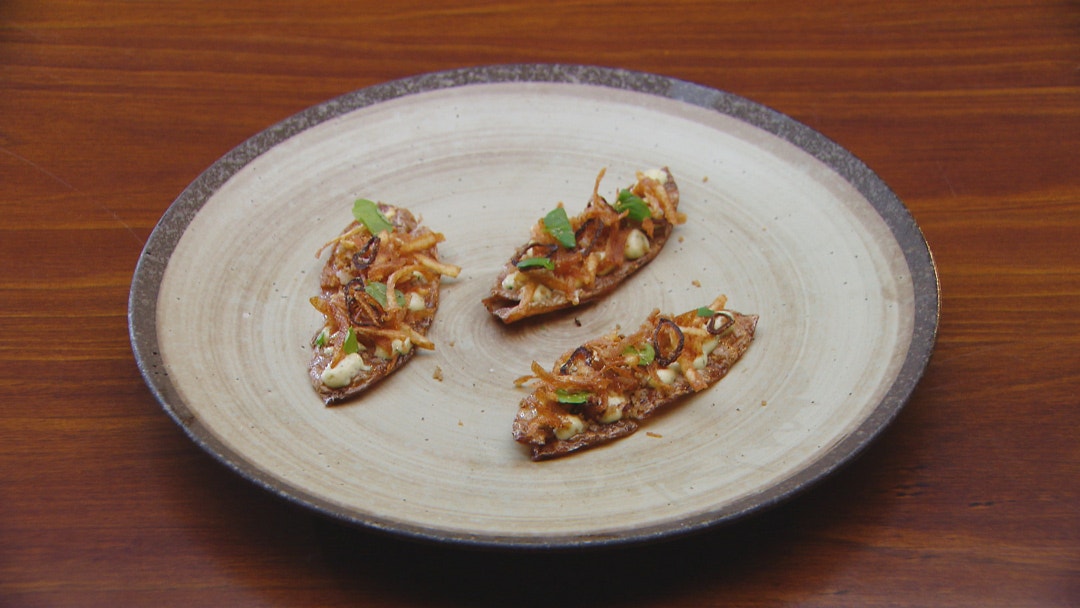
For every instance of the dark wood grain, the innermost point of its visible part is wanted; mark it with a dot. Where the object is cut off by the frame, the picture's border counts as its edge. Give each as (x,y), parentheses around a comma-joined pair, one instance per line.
(971,112)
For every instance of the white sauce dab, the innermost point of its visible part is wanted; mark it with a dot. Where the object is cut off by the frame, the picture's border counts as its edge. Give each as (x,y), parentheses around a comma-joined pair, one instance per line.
(416,302)
(657,174)
(512,281)
(572,425)
(342,374)
(614,412)
(637,244)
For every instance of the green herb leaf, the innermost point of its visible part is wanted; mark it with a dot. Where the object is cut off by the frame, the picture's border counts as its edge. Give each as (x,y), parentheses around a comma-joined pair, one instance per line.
(574,398)
(637,207)
(645,354)
(377,290)
(350,345)
(320,340)
(705,311)
(367,213)
(536,263)
(558,226)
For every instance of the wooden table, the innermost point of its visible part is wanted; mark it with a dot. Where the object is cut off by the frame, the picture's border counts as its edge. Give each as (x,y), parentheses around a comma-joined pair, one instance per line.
(971,113)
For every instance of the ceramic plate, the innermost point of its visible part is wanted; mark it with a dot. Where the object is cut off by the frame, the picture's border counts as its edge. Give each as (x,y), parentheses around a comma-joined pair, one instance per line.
(783,221)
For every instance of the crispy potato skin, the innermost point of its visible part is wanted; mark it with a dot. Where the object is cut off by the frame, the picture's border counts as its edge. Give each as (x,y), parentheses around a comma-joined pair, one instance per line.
(570,283)
(538,416)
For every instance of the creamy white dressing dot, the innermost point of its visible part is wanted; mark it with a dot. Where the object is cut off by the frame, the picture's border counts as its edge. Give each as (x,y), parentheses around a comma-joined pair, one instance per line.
(572,425)
(343,373)
(416,302)
(658,174)
(707,347)
(667,375)
(512,281)
(613,412)
(637,245)
(402,346)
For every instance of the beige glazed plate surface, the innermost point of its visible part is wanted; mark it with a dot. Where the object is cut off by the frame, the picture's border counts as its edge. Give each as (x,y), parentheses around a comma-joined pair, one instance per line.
(783,221)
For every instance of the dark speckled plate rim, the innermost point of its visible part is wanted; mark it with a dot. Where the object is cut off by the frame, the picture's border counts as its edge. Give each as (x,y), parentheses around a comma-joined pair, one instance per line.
(146,282)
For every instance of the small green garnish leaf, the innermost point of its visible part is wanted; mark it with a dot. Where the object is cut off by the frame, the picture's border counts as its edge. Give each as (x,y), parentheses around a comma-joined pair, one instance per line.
(377,290)
(705,311)
(320,340)
(536,263)
(572,398)
(645,354)
(367,213)
(350,345)
(558,226)
(628,201)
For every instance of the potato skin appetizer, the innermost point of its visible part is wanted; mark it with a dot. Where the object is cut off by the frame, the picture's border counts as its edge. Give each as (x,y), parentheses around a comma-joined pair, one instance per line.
(570,261)
(379,291)
(607,387)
